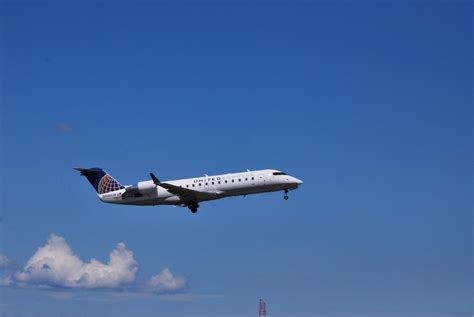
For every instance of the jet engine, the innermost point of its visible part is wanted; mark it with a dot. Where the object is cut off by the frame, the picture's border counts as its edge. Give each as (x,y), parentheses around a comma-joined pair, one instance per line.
(140,189)
(146,187)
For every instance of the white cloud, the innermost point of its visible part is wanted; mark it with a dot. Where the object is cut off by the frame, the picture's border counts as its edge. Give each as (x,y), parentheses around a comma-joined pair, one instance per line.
(6,281)
(65,127)
(5,262)
(166,282)
(55,264)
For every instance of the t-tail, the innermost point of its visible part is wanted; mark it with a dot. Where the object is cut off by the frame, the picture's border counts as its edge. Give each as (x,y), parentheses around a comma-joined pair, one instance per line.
(100,180)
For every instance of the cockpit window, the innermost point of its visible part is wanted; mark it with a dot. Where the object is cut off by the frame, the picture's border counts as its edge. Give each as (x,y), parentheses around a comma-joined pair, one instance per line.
(279,173)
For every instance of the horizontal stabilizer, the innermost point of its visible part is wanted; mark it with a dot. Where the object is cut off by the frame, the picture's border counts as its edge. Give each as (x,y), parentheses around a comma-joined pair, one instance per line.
(100,180)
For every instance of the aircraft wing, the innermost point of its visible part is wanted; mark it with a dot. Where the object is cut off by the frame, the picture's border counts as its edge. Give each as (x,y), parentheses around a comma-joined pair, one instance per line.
(185,194)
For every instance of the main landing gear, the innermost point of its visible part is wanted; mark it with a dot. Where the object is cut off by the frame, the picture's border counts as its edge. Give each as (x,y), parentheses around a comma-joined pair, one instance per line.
(193,206)
(286,194)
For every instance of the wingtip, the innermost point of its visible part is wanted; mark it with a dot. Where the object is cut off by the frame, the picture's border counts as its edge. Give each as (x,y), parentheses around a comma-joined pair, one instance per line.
(154,178)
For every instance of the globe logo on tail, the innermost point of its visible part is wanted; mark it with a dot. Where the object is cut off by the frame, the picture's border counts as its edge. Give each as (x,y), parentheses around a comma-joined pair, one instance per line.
(108,184)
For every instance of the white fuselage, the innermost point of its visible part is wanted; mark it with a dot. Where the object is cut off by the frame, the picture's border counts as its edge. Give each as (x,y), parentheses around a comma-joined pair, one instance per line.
(220,186)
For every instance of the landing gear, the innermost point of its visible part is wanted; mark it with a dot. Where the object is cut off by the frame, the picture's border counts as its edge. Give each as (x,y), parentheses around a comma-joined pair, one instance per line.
(193,207)
(286,194)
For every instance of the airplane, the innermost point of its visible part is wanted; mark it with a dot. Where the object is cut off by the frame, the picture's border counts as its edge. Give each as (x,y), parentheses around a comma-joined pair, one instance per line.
(188,192)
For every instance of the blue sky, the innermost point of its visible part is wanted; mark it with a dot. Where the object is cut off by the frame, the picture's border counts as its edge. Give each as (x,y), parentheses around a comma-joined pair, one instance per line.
(369,103)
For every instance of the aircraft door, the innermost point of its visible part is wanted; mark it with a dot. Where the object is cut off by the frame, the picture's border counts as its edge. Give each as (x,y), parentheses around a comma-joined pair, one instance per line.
(261,180)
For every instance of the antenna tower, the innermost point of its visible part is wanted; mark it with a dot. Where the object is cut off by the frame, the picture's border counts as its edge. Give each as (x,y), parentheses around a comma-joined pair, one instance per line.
(262,311)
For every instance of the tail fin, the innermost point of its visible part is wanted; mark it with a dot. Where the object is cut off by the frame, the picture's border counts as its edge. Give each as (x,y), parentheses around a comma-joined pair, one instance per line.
(102,182)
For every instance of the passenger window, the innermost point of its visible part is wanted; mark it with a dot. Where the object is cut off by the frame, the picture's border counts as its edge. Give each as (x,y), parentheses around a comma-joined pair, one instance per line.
(199,184)
(187,186)
(212,183)
(239,179)
(206,184)
(193,185)
(226,181)
(232,181)
(246,179)
(218,182)
(253,178)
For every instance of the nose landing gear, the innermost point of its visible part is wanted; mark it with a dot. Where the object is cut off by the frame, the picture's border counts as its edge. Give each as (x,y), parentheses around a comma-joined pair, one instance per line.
(286,194)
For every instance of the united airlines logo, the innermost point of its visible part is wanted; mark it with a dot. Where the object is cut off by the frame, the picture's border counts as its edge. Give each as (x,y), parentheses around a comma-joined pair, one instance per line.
(108,184)
(209,179)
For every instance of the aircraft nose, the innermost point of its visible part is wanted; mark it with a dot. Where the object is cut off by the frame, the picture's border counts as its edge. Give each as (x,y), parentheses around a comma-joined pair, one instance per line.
(297,181)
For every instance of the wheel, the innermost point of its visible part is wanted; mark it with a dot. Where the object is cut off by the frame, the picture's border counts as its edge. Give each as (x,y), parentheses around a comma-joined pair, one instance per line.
(286,197)
(193,207)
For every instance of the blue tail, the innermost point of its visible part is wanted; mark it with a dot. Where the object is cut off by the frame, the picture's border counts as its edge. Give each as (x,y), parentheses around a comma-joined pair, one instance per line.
(102,182)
